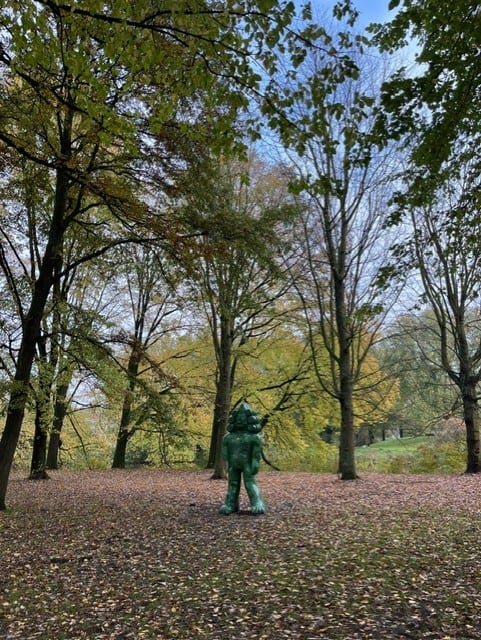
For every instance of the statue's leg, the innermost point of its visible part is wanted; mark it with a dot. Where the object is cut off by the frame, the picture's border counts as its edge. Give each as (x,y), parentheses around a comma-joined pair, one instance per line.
(254,493)
(231,502)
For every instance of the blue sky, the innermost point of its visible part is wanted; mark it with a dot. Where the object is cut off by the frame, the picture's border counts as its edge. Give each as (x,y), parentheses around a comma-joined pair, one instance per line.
(372,10)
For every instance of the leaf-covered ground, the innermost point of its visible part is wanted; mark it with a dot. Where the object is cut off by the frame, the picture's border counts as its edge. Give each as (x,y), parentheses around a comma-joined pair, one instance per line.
(145,554)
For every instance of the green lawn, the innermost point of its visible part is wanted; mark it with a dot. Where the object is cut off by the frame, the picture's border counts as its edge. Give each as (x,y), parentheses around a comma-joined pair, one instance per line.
(409,455)
(393,447)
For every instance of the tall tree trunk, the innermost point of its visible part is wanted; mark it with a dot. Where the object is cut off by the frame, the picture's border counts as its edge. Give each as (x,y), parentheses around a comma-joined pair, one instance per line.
(217,423)
(39,451)
(62,368)
(472,422)
(42,411)
(347,464)
(30,334)
(19,394)
(223,397)
(125,432)
(467,382)
(219,426)
(59,413)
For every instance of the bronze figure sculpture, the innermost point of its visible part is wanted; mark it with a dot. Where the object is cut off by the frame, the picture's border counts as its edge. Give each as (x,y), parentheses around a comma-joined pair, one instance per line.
(242,448)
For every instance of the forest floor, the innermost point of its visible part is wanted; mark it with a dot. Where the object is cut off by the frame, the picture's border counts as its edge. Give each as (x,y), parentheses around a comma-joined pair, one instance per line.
(145,554)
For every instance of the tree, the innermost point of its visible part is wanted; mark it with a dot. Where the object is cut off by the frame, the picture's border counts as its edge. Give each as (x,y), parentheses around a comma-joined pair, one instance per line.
(27,194)
(82,321)
(445,249)
(433,110)
(239,209)
(409,352)
(276,376)
(345,184)
(25,191)
(57,134)
(434,104)
(152,303)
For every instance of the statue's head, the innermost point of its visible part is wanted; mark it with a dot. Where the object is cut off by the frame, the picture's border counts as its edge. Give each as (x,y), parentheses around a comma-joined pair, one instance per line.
(244,418)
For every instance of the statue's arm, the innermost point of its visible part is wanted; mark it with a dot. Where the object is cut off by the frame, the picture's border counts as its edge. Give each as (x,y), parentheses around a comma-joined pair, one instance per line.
(256,454)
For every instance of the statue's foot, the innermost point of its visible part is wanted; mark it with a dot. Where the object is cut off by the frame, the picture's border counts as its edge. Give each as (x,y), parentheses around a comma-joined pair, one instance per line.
(257,508)
(226,510)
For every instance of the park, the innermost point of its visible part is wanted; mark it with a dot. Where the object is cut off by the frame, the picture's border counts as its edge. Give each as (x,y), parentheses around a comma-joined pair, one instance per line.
(240,320)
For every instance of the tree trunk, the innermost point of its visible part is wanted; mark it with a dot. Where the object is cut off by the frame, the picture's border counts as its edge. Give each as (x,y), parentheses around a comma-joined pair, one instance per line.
(216,427)
(19,394)
(471,420)
(120,449)
(347,465)
(30,334)
(42,411)
(219,426)
(63,369)
(39,452)
(223,398)
(59,413)
(124,432)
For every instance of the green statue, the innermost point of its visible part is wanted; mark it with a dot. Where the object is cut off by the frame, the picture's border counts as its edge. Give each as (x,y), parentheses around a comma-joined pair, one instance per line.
(242,448)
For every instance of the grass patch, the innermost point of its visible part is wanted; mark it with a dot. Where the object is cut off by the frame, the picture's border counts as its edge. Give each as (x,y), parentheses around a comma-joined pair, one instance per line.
(423,454)
(395,446)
